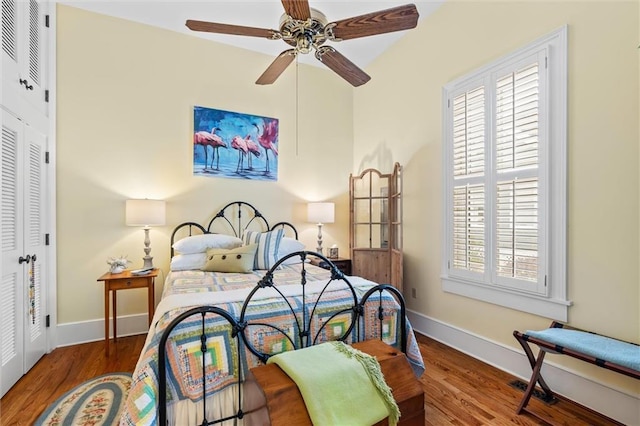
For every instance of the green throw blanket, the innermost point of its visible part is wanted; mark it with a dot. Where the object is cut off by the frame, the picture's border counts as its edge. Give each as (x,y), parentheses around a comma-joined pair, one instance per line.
(340,385)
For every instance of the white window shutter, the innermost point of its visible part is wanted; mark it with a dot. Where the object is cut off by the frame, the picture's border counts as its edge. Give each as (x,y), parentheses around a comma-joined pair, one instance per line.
(469,146)
(517,159)
(469,228)
(469,133)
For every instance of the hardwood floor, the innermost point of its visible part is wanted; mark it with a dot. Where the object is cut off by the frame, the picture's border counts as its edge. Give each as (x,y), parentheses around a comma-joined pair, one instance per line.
(61,370)
(459,390)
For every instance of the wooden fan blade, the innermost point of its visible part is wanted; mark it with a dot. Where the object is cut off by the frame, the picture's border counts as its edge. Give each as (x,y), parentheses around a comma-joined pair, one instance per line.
(212,27)
(277,67)
(380,22)
(342,66)
(297,9)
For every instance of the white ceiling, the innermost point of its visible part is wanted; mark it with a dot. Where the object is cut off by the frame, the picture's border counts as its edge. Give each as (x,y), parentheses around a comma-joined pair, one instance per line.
(261,14)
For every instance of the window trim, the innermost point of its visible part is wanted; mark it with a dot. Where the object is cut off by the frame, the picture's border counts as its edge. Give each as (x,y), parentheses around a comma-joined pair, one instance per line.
(553,164)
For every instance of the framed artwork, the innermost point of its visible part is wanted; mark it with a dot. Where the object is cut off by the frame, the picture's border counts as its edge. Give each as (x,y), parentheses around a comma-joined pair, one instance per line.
(234,145)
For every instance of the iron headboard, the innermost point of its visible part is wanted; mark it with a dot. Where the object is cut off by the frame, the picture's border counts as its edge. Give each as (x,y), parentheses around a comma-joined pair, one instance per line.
(233,219)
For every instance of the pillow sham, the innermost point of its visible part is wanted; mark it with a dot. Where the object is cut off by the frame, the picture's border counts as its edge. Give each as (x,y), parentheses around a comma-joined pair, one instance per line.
(183,262)
(268,246)
(239,259)
(287,246)
(201,243)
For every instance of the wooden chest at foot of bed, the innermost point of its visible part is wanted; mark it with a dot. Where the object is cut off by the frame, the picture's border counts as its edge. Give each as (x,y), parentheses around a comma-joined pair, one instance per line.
(271,397)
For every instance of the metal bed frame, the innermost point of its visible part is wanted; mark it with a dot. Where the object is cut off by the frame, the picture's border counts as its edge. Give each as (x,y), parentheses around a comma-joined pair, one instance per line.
(302,322)
(233,219)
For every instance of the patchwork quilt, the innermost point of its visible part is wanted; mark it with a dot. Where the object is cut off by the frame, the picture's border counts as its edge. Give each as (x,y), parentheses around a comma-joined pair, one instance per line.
(226,357)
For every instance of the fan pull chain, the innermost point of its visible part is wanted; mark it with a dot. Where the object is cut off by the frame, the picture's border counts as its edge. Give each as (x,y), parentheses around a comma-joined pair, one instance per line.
(296,105)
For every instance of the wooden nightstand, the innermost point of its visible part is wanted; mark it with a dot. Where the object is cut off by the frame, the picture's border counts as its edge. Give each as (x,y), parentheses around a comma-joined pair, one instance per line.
(124,281)
(342,264)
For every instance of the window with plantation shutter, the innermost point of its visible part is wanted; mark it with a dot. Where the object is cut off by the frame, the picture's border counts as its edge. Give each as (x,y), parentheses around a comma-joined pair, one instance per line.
(505,181)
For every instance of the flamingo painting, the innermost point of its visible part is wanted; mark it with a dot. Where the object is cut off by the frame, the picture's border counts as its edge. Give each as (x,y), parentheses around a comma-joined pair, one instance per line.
(244,137)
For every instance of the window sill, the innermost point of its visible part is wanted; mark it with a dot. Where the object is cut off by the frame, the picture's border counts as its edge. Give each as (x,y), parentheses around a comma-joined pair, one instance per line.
(549,308)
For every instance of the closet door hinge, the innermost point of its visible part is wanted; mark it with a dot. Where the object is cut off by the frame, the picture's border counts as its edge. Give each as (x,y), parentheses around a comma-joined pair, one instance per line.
(46,157)
(47,321)
(46,239)
(46,21)
(46,95)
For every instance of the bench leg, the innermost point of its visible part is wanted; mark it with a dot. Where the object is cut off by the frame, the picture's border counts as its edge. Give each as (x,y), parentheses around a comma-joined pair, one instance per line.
(535,377)
(532,362)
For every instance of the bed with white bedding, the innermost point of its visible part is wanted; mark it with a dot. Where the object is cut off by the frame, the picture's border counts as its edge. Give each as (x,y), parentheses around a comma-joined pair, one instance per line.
(246,317)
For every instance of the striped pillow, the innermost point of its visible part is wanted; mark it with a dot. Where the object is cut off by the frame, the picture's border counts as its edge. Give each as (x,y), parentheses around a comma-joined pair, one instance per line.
(268,246)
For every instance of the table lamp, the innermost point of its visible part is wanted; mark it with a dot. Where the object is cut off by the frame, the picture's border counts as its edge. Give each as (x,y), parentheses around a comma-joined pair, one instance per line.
(320,213)
(146,213)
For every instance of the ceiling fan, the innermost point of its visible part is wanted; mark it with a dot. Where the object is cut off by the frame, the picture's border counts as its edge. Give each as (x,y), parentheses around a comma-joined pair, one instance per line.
(307,29)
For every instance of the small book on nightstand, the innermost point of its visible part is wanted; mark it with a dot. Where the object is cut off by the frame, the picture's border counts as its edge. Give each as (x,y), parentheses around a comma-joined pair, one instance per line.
(143,271)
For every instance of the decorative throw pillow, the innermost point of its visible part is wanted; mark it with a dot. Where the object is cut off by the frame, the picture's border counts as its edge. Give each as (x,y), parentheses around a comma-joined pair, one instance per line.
(287,246)
(201,243)
(235,260)
(183,262)
(268,246)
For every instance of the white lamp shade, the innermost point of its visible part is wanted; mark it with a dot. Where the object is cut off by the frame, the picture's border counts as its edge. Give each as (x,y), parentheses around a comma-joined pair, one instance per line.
(145,212)
(320,212)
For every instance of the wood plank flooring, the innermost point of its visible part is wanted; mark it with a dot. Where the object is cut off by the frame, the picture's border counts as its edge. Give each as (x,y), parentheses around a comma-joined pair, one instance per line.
(60,371)
(459,390)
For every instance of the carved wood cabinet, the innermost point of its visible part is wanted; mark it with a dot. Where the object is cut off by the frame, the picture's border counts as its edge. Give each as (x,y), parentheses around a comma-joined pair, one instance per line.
(375,217)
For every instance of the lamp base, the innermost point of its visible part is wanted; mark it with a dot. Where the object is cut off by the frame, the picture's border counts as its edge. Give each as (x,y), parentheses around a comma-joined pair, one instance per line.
(148,262)
(319,248)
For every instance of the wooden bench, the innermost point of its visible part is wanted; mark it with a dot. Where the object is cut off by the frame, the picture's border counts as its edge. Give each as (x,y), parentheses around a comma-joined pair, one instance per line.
(278,402)
(606,352)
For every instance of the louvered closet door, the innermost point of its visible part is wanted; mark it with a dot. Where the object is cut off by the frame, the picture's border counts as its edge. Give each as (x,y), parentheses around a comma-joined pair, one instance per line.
(22,295)
(10,43)
(34,193)
(12,302)
(23,55)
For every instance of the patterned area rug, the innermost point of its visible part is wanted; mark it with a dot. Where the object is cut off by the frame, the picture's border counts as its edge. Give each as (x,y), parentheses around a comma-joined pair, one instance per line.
(98,401)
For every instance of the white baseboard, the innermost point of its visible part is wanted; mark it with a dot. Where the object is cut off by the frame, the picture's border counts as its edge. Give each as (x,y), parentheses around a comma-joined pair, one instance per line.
(613,403)
(73,333)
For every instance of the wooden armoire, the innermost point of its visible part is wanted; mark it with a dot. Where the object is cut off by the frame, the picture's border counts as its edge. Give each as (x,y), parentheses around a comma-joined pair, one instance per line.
(375,234)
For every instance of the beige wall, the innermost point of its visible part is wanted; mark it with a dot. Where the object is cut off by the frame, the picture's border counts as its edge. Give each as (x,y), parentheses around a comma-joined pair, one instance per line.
(398,117)
(124,130)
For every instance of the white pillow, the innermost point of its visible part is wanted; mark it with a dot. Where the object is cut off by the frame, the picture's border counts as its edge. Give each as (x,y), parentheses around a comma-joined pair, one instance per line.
(201,243)
(287,246)
(268,246)
(183,262)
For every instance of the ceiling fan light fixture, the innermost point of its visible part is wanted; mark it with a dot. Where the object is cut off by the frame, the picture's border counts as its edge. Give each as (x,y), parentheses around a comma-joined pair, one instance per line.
(304,35)
(304,43)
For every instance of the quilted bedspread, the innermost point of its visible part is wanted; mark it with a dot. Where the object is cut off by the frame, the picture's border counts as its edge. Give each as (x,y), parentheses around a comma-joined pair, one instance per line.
(187,289)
